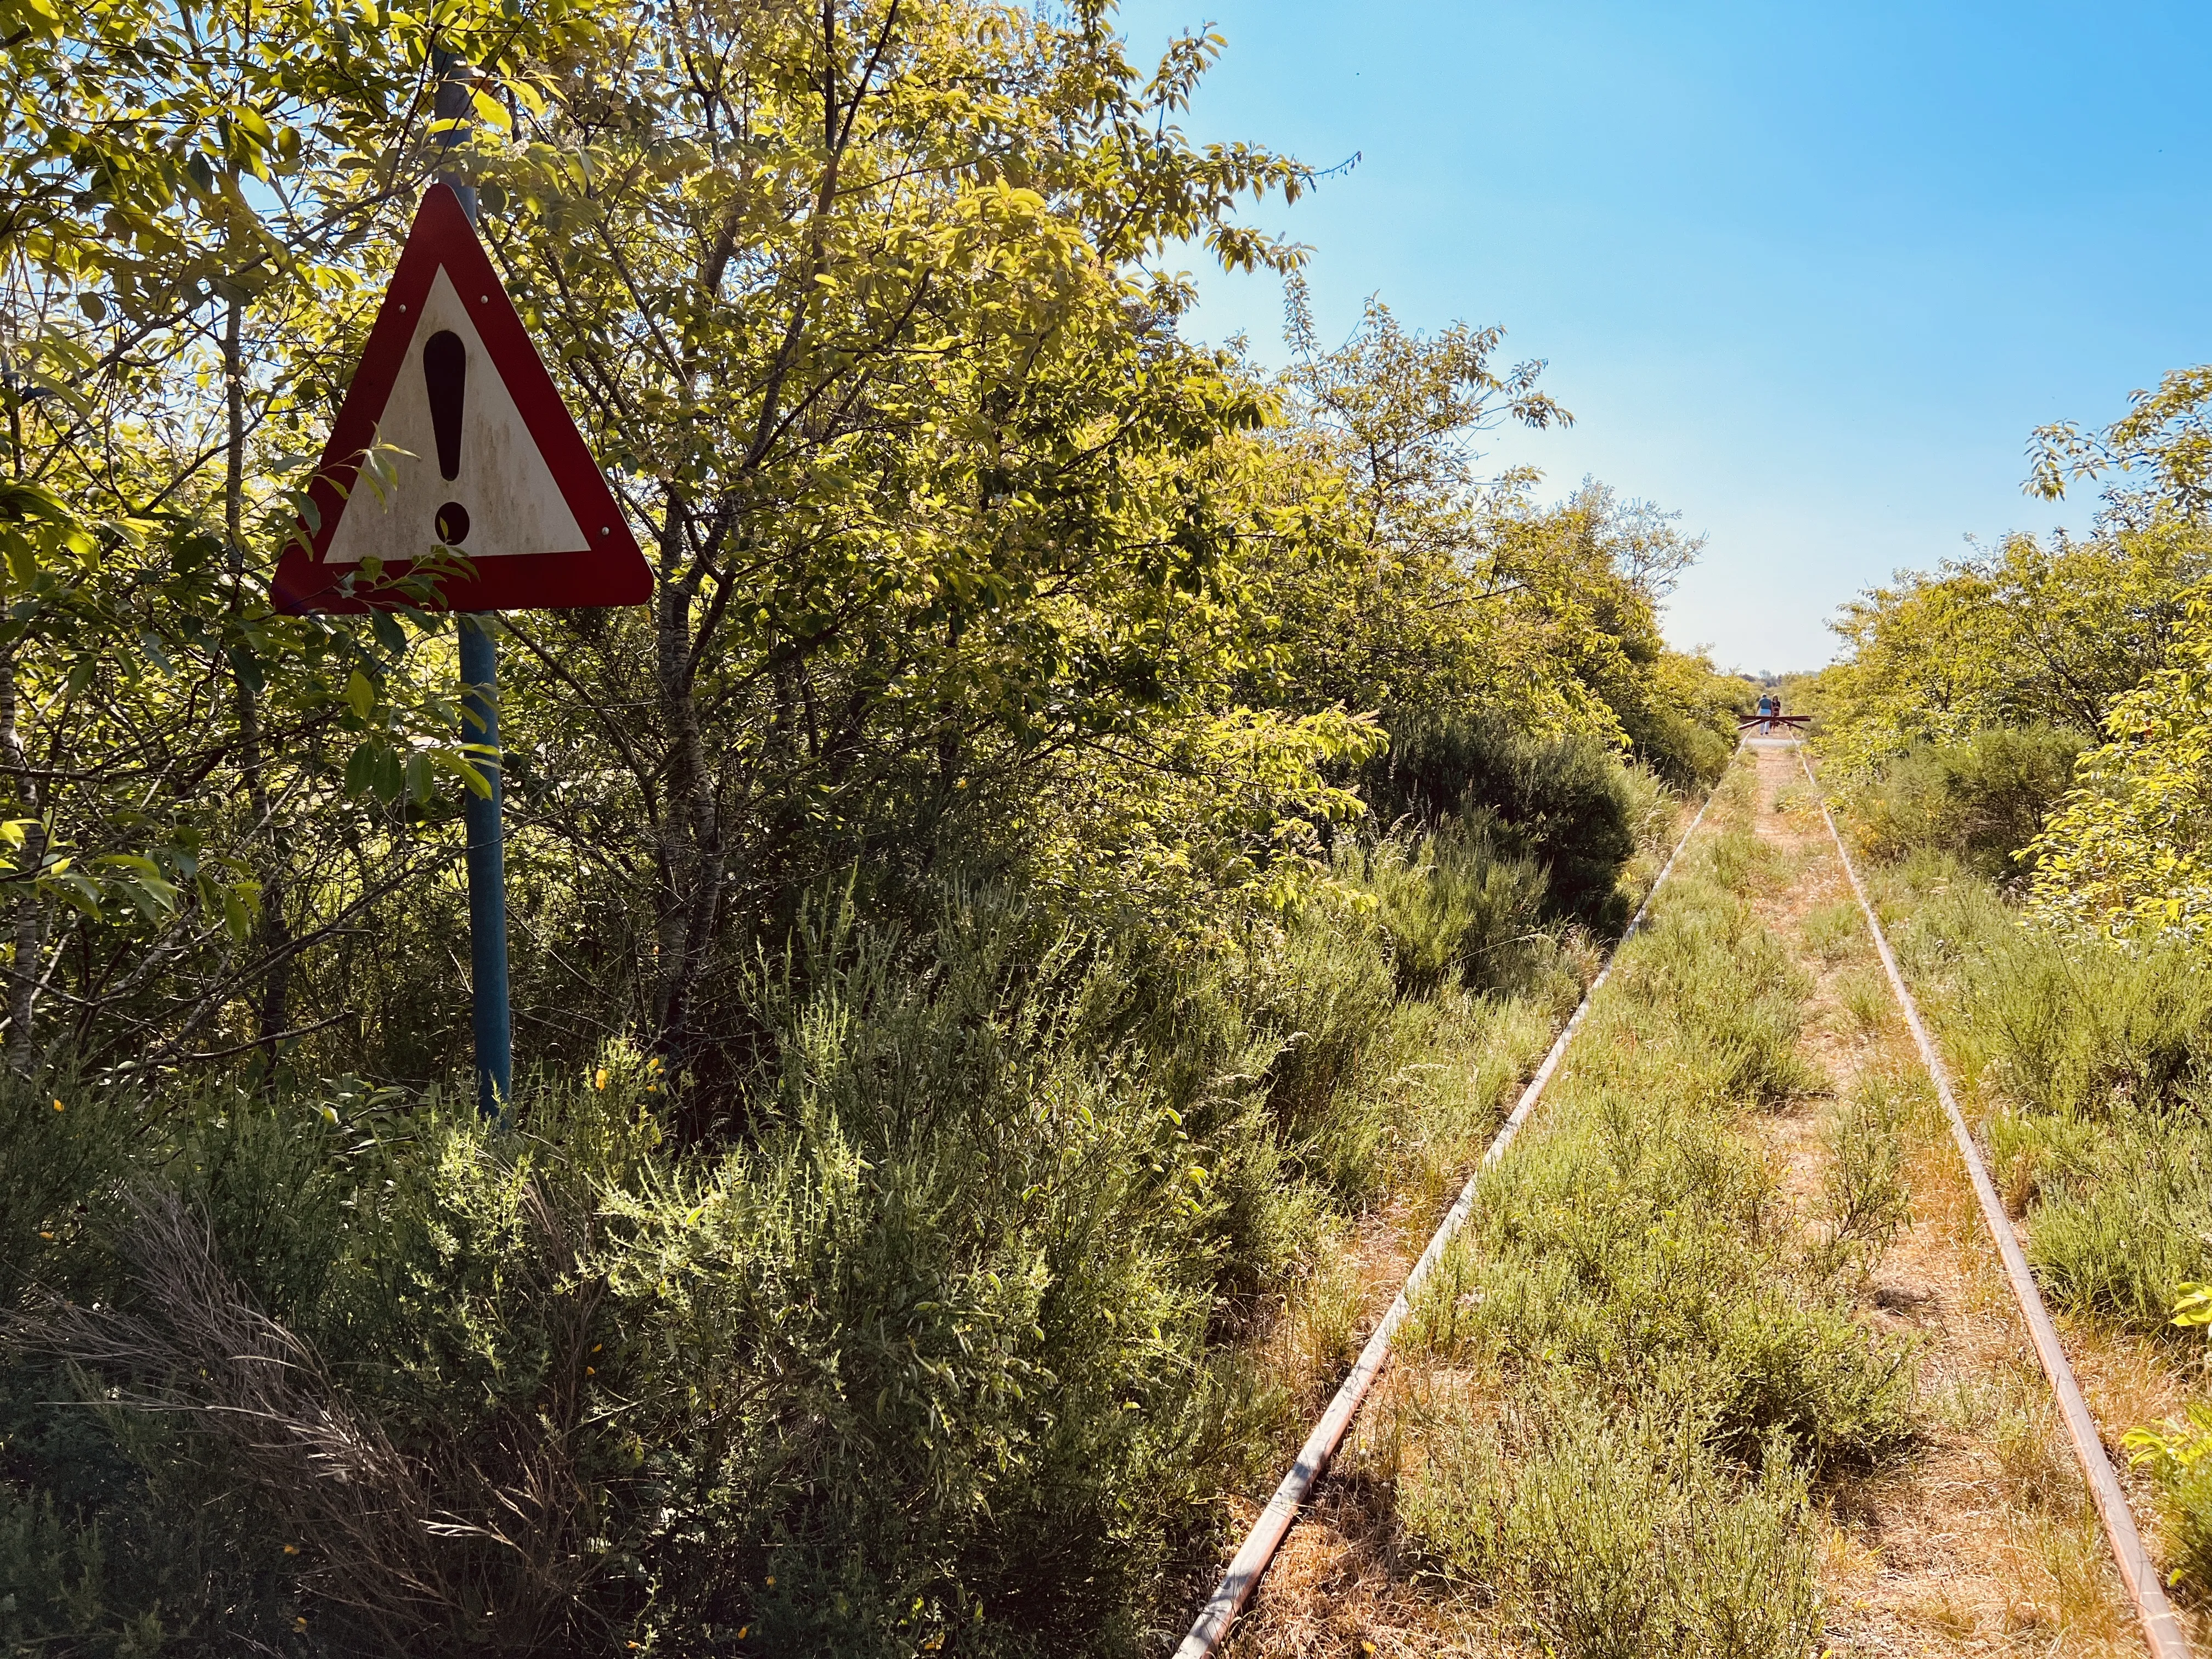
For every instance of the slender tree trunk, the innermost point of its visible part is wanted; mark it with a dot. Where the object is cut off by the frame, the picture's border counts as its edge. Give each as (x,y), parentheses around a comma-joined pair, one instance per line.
(271,1007)
(692,853)
(24,982)
(30,909)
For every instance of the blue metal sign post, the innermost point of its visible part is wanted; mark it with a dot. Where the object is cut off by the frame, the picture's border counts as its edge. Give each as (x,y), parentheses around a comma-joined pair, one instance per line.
(491,1021)
(489,1017)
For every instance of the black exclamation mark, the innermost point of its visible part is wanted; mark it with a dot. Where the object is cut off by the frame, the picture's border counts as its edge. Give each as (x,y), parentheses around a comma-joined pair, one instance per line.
(445,377)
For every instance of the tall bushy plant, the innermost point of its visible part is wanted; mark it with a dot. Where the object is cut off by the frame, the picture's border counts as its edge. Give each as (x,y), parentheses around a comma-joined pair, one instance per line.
(1982,800)
(1456,911)
(1563,802)
(927,1354)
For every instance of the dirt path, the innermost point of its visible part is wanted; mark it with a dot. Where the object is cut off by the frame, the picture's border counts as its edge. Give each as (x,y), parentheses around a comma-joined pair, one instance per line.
(1979,1538)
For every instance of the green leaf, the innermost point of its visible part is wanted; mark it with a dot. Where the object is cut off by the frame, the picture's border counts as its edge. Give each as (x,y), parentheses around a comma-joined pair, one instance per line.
(361,767)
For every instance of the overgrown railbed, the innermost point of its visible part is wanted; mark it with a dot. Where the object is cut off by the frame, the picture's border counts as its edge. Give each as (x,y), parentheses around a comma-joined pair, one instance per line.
(1636,1365)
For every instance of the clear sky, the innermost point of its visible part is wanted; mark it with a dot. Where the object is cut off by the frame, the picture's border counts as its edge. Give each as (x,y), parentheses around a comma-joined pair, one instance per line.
(1810,274)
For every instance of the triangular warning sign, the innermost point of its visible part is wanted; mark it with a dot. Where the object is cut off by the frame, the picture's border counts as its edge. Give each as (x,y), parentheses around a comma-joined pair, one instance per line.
(493,465)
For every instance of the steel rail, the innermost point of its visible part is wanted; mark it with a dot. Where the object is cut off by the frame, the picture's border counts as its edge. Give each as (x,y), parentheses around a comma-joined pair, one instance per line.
(1267,1532)
(2161,1628)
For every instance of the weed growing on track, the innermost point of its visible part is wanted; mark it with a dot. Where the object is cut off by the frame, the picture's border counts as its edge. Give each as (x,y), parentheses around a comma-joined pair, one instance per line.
(1863,1191)
(1620,1536)
(1676,1363)
(1834,931)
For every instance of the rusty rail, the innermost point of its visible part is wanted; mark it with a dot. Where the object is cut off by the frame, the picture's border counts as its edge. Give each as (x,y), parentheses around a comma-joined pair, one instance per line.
(1267,1532)
(2161,1628)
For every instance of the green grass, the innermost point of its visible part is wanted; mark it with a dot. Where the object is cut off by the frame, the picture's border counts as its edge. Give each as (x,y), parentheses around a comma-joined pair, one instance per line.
(2088,1064)
(1676,1364)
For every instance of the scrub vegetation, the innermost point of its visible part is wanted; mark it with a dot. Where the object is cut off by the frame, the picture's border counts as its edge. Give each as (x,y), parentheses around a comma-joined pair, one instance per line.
(1086,832)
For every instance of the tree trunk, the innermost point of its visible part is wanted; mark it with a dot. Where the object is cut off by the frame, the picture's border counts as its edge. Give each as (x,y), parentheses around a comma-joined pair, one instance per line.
(24,981)
(692,858)
(271,937)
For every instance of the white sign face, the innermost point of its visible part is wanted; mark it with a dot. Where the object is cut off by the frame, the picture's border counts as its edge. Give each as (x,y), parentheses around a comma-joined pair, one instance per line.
(499,498)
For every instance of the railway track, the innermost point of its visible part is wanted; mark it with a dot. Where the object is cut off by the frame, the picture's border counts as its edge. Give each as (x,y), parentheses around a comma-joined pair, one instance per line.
(2161,1628)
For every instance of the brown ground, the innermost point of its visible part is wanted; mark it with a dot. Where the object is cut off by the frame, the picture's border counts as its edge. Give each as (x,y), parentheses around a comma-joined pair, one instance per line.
(1980,1542)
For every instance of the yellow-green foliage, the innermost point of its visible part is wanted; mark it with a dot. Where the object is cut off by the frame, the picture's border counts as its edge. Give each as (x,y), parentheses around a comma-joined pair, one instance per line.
(2129,853)
(2034,633)
(868,1274)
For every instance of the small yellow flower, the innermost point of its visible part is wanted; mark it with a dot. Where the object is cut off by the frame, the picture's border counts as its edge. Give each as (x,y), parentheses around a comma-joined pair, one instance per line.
(771,1581)
(591,1371)
(57,1105)
(46,1235)
(291,1549)
(299,1624)
(600,1081)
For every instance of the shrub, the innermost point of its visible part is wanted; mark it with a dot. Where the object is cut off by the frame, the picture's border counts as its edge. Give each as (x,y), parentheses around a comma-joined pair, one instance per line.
(1329,998)
(1565,803)
(1863,1193)
(2080,1025)
(1982,800)
(2178,1454)
(1456,910)
(2120,1215)
(1619,1537)
(925,1353)
(1687,753)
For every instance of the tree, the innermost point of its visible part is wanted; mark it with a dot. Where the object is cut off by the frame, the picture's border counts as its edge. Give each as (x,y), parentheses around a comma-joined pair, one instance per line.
(2033,632)
(2129,852)
(1391,575)
(187,195)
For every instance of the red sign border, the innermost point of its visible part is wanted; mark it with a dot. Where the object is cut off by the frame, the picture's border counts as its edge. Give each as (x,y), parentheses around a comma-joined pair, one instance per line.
(611,571)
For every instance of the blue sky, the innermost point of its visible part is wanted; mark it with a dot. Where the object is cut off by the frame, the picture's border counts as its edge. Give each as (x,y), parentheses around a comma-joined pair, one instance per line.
(1810,275)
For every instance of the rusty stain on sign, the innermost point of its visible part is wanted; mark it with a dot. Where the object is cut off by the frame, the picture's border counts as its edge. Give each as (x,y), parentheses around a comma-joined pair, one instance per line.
(509,501)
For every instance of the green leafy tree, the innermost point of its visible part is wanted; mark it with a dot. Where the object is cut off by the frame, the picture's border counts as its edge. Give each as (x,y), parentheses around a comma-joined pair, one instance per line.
(2034,631)
(2129,852)
(864,302)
